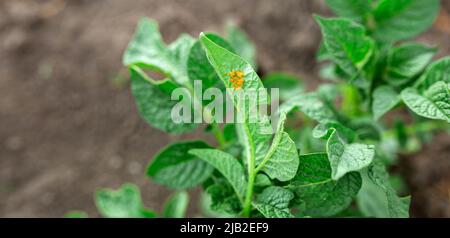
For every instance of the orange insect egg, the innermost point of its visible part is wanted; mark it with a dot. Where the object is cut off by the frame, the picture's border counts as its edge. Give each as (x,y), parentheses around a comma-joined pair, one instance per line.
(236,79)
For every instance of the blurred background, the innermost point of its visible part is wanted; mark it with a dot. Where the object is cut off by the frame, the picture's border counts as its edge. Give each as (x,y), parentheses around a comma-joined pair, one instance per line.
(68,123)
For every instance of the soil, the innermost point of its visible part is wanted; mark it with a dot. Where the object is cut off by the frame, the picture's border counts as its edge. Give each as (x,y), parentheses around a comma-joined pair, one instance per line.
(68,124)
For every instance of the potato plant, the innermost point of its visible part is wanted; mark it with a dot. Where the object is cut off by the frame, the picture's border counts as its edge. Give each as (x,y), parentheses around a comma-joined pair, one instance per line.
(332,148)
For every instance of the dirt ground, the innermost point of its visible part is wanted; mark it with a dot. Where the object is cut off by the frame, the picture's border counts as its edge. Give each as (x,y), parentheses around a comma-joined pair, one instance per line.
(68,124)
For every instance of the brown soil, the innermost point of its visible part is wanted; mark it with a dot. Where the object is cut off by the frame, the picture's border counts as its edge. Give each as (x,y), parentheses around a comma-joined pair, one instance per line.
(68,124)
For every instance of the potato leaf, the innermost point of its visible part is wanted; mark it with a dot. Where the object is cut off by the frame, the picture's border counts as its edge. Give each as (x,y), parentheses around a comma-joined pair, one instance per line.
(281,161)
(324,131)
(147,49)
(406,61)
(312,105)
(262,180)
(346,157)
(317,194)
(223,198)
(384,99)
(175,168)
(353,9)
(438,71)
(402,19)
(377,198)
(227,165)
(273,202)
(199,67)
(158,112)
(346,43)
(253,136)
(434,103)
(177,205)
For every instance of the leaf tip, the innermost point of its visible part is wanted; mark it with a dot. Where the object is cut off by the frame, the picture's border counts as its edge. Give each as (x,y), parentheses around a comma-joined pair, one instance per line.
(318,18)
(201,35)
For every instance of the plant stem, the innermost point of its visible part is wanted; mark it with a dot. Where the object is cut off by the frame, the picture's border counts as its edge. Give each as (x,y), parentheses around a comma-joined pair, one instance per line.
(251,174)
(218,134)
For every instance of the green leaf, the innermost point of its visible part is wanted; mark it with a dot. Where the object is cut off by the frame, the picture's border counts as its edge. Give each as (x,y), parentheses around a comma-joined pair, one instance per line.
(366,128)
(153,101)
(384,99)
(122,203)
(229,132)
(346,157)
(227,165)
(273,202)
(147,49)
(406,61)
(254,140)
(328,92)
(180,50)
(402,19)
(175,168)
(199,67)
(312,105)
(240,42)
(76,214)
(224,61)
(353,9)
(317,194)
(377,198)
(437,71)
(253,136)
(324,131)
(288,85)
(262,180)
(347,43)
(177,205)
(322,53)
(281,161)
(223,198)
(305,142)
(434,103)
(371,198)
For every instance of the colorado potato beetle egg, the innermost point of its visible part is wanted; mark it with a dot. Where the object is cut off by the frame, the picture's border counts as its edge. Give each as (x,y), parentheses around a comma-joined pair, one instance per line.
(236,79)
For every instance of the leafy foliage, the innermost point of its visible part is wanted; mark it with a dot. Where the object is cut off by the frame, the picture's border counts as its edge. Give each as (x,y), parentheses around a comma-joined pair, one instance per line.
(317,194)
(346,143)
(346,43)
(273,202)
(434,103)
(176,205)
(175,168)
(402,19)
(346,157)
